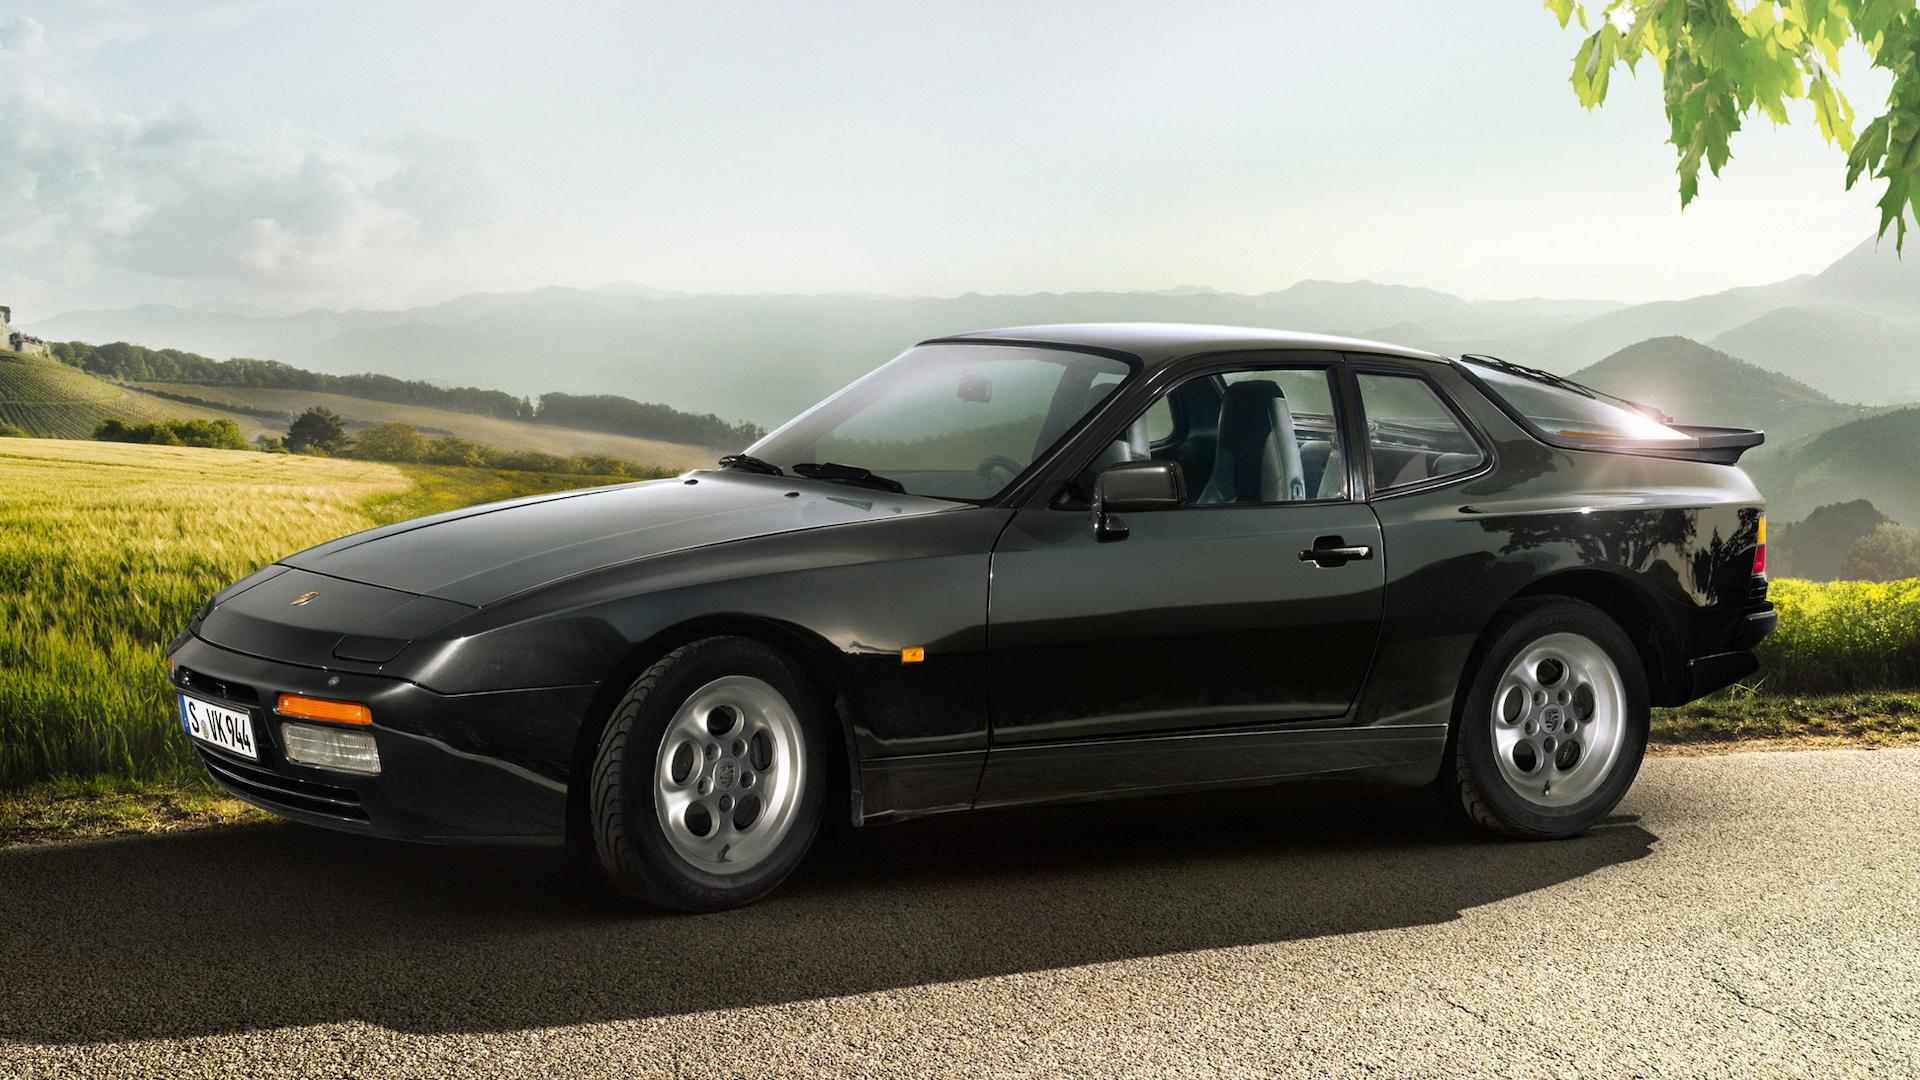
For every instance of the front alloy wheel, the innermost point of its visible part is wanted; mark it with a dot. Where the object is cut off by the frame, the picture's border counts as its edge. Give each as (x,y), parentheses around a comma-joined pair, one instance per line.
(728,777)
(709,781)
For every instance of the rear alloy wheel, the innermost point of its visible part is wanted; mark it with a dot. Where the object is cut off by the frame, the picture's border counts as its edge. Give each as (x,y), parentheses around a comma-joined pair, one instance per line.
(708,785)
(1554,724)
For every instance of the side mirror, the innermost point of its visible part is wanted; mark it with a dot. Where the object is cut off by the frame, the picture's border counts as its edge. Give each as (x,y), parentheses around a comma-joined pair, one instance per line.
(1134,487)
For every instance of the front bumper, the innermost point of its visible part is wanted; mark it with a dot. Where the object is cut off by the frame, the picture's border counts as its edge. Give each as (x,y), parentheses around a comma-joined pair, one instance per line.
(471,768)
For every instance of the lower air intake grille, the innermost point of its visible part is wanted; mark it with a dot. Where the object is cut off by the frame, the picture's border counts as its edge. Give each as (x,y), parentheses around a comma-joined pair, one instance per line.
(276,790)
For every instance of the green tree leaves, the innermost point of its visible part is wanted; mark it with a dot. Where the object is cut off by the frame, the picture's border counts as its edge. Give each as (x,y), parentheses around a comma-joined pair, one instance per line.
(1888,553)
(319,429)
(1723,60)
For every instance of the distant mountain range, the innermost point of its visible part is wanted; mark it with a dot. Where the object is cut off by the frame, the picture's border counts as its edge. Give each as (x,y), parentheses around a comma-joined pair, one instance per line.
(1851,331)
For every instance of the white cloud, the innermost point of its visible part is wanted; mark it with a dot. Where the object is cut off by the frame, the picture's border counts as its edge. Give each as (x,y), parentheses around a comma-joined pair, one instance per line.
(87,193)
(22,38)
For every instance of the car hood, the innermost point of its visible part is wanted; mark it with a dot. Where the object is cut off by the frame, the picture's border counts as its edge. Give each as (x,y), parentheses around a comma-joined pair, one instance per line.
(487,553)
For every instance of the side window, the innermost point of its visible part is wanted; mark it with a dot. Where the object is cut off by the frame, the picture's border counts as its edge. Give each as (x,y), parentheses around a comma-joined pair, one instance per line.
(1160,424)
(1248,437)
(1412,436)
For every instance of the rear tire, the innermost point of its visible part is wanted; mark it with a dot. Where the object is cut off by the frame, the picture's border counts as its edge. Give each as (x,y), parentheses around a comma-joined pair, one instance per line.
(1553,725)
(709,781)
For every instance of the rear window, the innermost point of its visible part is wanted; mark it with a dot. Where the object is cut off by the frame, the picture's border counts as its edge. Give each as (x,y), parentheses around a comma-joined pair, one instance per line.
(1566,412)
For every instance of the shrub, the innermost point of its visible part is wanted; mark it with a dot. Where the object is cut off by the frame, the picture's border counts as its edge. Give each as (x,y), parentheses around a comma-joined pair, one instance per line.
(448,450)
(8,431)
(216,434)
(530,461)
(1842,636)
(602,465)
(212,434)
(391,442)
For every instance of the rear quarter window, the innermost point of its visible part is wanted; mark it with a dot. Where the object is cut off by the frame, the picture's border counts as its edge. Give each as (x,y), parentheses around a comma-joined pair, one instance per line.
(1412,435)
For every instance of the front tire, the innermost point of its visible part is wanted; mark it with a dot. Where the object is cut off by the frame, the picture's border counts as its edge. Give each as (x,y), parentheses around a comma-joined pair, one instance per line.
(709,781)
(1553,726)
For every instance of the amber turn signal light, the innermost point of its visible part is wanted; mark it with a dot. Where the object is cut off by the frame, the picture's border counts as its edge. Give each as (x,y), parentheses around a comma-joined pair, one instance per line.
(333,712)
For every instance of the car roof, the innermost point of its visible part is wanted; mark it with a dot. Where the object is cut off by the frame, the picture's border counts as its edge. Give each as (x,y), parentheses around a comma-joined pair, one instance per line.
(1158,343)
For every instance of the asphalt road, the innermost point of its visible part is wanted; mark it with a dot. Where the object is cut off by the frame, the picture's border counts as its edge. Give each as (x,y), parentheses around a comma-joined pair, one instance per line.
(1747,914)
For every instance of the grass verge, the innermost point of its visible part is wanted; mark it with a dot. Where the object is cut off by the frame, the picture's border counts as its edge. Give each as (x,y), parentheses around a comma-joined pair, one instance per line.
(103,806)
(1736,720)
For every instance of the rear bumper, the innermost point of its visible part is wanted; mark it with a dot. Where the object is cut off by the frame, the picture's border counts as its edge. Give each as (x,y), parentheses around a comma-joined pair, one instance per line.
(1705,674)
(1755,626)
(1719,670)
(472,768)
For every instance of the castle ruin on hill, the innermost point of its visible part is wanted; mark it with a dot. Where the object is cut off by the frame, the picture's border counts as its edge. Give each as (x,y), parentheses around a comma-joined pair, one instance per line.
(14,339)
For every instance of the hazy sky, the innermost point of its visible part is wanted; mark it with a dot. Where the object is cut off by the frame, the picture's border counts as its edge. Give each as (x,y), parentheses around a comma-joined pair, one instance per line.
(287,154)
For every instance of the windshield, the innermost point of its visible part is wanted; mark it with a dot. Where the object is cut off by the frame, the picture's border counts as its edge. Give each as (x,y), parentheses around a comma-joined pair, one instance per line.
(949,421)
(1567,409)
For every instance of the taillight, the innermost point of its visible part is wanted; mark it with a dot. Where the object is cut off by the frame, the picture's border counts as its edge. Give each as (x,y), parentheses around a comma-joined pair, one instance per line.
(1760,548)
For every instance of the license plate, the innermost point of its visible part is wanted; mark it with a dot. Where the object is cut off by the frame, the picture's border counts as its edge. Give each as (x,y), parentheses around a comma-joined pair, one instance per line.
(222,727)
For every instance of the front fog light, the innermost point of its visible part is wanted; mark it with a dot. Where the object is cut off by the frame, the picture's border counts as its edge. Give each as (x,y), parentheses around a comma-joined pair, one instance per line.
(330,748)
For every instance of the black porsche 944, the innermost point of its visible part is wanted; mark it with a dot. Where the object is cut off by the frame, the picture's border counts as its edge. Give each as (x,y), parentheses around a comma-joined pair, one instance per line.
(1015,566)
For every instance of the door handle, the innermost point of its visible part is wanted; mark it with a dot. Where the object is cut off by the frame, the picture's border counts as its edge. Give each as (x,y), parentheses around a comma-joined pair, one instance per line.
(1331,551)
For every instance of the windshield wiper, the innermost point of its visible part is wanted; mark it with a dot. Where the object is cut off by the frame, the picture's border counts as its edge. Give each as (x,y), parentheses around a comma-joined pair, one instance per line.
(749,463)
(848,474)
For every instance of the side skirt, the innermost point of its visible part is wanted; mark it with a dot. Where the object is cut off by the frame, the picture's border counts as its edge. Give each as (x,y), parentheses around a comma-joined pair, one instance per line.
(901,788)
(1062,771)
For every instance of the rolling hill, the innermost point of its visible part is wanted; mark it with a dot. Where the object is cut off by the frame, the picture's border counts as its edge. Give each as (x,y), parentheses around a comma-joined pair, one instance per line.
(258,409)
(1875,457)
(1817,546)
(1698,385)
(1840,350)
(46,398)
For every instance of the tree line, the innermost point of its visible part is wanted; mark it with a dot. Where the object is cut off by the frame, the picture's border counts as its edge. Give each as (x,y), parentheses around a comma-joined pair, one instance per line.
(593,412)
(322,433)
(625,416)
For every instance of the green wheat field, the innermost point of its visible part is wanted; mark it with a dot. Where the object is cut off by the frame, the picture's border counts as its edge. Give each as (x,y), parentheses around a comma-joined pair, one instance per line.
(106,550)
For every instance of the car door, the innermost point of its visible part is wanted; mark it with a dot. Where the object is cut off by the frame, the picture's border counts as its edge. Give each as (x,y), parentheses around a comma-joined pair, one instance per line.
(1234,610)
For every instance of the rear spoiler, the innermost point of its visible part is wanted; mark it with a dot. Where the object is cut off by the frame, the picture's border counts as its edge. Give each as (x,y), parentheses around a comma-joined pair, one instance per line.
(1716,445)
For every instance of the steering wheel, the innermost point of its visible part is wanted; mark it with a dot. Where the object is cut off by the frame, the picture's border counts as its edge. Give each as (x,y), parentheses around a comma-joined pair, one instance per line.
(1002,463)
